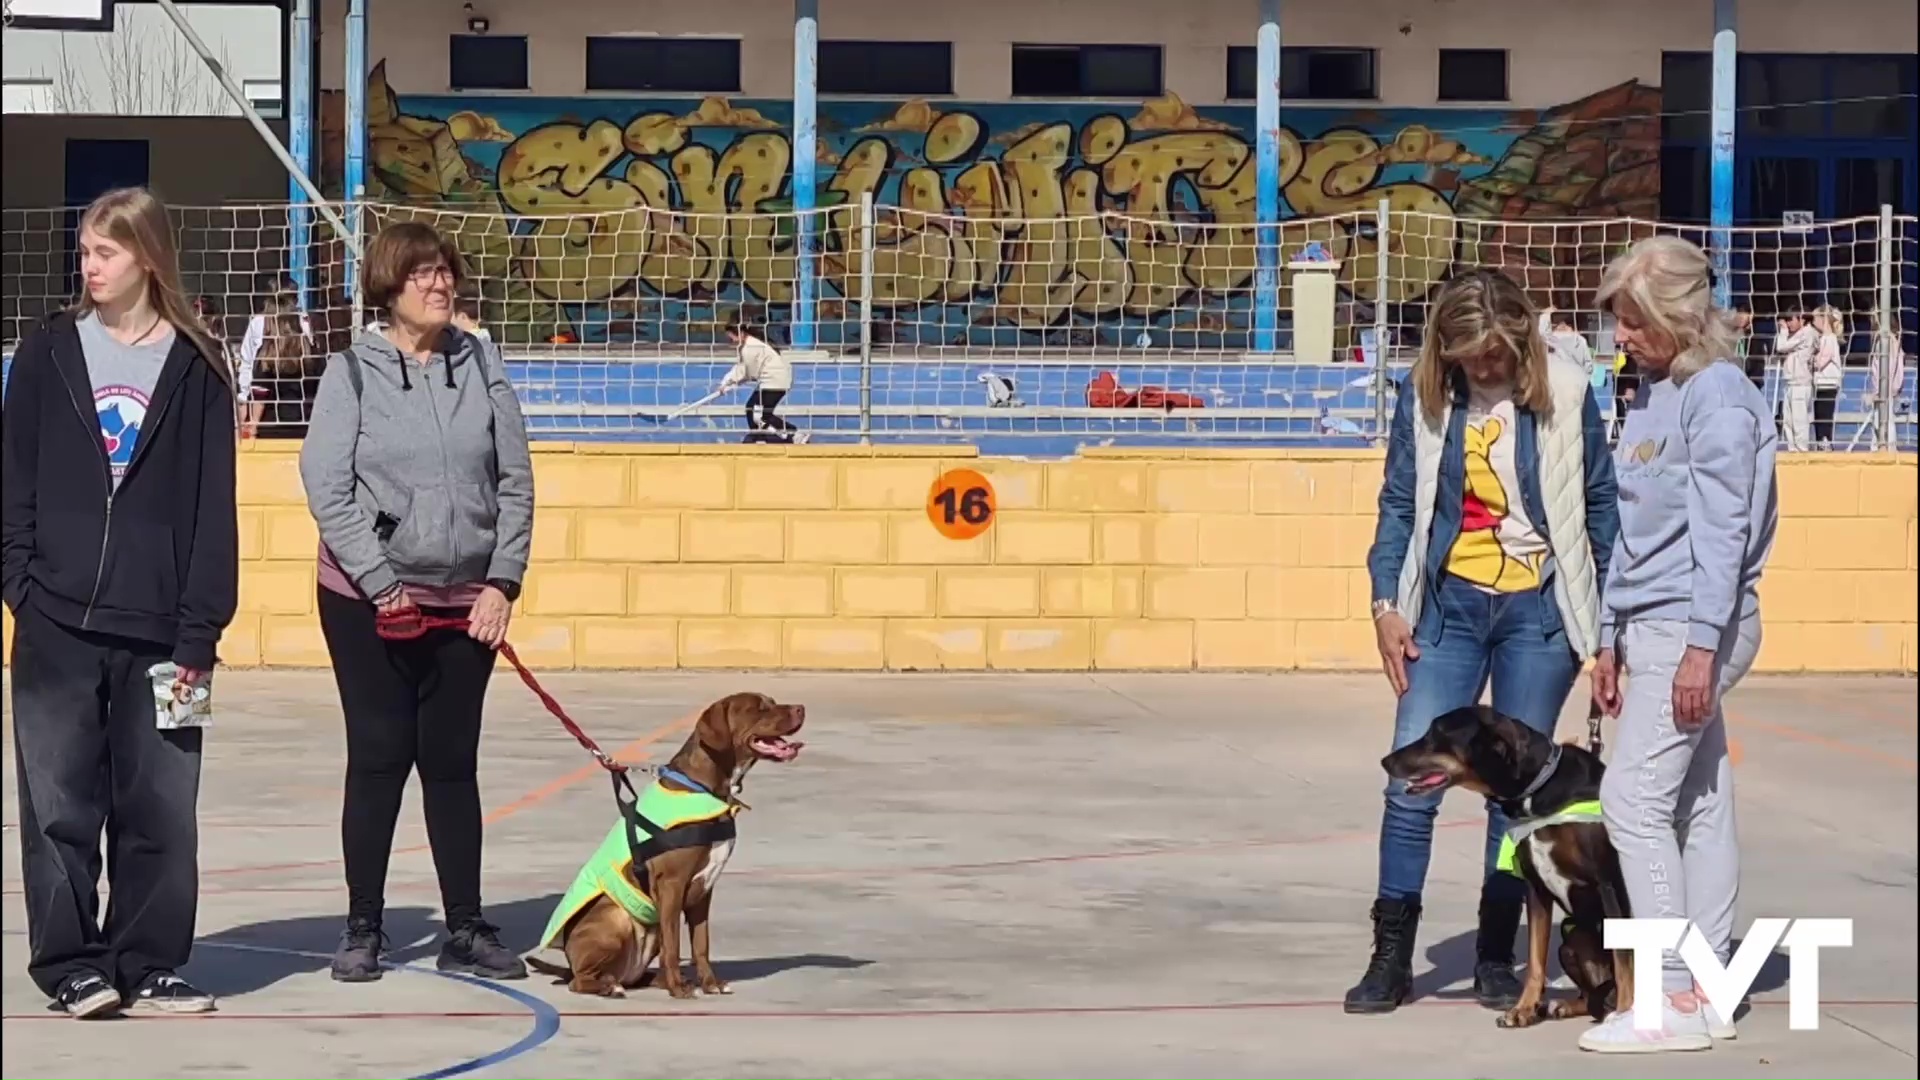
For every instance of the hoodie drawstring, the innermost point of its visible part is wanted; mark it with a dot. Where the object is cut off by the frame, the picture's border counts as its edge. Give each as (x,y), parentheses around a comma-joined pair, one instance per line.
(448,360)
(406,383)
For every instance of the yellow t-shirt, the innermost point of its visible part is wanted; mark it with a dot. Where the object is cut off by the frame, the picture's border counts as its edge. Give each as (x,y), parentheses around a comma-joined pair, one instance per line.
(1498,548)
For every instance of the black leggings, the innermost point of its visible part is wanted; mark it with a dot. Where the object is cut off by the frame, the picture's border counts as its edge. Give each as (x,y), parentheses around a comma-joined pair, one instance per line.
(760,416)
(408,704)
(1824,400)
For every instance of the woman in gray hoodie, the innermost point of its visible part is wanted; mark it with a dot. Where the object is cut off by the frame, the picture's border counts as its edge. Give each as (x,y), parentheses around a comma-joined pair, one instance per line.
(418,476)
(1680,618)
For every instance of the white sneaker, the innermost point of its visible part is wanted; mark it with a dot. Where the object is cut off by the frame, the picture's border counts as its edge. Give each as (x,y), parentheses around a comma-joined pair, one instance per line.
(1717,1025)
(1678,1031)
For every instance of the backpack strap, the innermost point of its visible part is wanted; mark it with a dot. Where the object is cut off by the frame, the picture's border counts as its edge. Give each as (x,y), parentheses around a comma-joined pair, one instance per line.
(353,372)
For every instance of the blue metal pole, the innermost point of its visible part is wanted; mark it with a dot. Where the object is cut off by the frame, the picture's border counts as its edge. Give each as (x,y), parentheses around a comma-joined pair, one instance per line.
(1725,82)
(356,121)
(806,48)
(1266,273)
(300,134)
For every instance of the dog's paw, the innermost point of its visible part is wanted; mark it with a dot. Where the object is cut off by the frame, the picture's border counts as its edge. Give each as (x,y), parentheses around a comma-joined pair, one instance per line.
(714,987)
(1519,1017)
(682,991)
(1567,1009)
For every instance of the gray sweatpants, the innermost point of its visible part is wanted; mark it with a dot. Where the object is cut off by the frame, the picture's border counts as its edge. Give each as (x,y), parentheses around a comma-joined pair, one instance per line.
(1668,794)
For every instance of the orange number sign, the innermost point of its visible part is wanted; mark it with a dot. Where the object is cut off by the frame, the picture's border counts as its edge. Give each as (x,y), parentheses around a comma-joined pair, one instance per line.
(961,504)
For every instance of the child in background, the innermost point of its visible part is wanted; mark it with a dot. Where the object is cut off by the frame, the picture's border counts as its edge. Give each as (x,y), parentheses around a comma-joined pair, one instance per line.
(207,310)
(1828,369)
(466,316)
(279,311)
(1795,344)
(1566,339)
(284,379)
(762,365)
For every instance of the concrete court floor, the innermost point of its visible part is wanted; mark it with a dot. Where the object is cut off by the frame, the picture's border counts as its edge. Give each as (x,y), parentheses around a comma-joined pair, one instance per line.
(1149,875)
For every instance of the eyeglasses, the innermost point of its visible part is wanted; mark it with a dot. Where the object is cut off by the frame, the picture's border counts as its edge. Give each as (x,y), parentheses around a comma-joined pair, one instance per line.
(425,275)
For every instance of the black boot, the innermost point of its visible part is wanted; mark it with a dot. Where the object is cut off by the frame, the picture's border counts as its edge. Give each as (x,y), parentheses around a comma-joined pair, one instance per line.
(1494,983)
(1389,977)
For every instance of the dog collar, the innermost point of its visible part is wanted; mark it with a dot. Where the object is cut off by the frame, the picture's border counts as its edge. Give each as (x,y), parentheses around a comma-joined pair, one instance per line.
(1546,772)
(668,772)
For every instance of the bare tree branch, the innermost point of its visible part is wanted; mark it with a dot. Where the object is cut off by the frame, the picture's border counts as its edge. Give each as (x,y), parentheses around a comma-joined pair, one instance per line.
(143,71)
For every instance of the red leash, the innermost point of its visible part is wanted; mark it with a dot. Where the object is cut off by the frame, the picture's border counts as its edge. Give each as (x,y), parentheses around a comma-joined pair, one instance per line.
(410,623)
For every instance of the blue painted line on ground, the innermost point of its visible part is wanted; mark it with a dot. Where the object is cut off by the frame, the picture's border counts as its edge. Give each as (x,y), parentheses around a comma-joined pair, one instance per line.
(546,1018)
(546,1024)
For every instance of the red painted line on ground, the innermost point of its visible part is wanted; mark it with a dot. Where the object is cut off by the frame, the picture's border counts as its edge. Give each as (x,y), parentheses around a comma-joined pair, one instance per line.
(1083,857)
(532,798)
(205,824)
(1842,746)
(935,868)
(1005,1011)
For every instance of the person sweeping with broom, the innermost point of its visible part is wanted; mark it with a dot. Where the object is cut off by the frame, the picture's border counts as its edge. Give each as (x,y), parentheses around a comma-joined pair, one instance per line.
(764,366)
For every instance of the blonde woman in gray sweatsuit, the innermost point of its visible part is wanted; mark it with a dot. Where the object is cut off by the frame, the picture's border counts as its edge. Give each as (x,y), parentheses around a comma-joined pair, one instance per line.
(1680,616)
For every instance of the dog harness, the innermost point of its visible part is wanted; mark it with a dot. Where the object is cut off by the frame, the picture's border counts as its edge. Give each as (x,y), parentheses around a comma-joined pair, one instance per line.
(1587,811)
(672,819)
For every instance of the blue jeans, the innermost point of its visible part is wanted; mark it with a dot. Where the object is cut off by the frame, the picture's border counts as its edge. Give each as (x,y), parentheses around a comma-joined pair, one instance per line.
(1479,635)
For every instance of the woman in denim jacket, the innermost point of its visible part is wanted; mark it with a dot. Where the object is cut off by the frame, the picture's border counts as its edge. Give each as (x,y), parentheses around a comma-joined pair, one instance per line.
(1496,521)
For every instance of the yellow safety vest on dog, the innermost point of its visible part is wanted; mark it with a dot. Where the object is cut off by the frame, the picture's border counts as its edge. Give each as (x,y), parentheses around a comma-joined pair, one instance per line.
(608,872)
(1587,811)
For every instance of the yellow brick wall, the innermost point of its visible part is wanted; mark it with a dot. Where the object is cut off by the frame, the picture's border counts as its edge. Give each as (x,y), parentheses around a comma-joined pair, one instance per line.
(823,557)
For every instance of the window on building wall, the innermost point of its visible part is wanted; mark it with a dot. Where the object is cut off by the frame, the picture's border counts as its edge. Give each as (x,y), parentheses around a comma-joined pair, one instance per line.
(486,62)
(1243,73)
(1781,95)
(1686,87)
(1473,75)
(886,67)
(1317,73)
(1097,71)
(667,64)
(264,96)
(1873,97)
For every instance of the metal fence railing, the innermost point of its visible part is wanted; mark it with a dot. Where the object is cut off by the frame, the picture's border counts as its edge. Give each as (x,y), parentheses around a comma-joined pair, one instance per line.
(1039,334)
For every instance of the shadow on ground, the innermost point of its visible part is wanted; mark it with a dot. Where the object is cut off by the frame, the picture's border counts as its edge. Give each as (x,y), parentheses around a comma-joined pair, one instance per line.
(249,958)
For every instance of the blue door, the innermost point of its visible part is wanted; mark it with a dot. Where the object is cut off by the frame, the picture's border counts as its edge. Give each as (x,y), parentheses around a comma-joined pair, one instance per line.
(95,167)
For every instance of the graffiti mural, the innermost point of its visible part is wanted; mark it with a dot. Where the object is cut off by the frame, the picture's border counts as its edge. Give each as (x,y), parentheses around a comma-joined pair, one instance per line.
(601,220)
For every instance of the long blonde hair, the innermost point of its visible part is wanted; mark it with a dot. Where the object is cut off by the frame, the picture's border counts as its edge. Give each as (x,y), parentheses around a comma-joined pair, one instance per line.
(1473,313)
(1669,281)
(134,219)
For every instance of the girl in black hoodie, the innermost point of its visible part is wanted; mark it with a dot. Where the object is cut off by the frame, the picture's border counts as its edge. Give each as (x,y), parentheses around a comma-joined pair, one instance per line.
(118,553)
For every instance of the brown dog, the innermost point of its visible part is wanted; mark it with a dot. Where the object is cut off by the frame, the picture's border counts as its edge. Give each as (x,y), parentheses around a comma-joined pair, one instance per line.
(603,923)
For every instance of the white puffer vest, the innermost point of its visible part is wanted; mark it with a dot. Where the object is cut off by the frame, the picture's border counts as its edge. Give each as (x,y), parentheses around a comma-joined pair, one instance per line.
(1563,479)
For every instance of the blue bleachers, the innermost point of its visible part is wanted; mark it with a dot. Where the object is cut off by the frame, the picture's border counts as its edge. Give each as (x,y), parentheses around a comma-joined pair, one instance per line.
(623,399)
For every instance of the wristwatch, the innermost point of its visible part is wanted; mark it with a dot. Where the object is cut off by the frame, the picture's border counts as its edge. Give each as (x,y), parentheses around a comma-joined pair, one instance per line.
(508,589)
(1384,607)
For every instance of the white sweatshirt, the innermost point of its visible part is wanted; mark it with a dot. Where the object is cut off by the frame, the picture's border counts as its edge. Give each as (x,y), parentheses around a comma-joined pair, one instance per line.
(1827,368)
(251,342)
(1796,354)
(760,363)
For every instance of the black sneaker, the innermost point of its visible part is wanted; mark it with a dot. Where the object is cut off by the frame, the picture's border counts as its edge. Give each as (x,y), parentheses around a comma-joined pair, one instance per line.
(169,993)
(1495,985)
(475,949)
(87,995)
(357,959)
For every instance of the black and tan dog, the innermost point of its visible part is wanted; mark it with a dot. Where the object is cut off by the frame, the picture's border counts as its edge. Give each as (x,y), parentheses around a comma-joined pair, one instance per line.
(620,913)
(1558,844)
